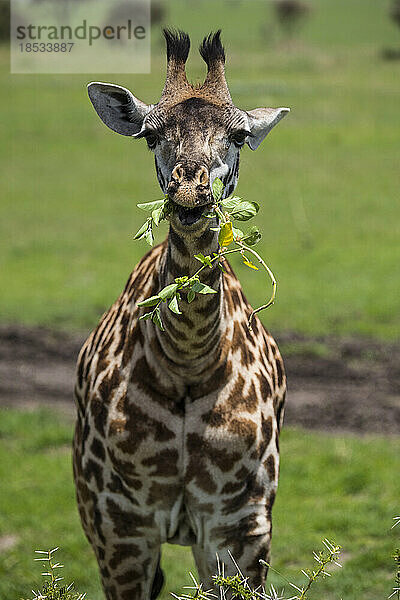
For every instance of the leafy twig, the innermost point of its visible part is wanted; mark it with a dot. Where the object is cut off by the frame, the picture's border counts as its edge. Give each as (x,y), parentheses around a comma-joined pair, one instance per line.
(226,210)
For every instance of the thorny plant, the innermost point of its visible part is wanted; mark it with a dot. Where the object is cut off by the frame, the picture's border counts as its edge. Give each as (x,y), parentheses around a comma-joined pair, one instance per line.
(226,210)
(396,558)
(237,586)
(52,590)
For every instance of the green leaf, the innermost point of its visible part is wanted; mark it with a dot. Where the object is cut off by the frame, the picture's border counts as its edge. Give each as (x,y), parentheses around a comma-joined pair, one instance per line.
(245,210)
(168,291)
(149,236)
(157,215)
(150,206)
(249,264)
(191,296)
(152,301)
(230,203)
(205,260)
(156,318)
(173,305)
(202,288)
(225,236)
(252,237)
(142,231)
(199,257)
(146,316)
(237,233)
(217,188)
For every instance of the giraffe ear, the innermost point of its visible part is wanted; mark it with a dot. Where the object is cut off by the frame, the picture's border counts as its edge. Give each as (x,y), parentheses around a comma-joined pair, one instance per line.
(261,121)
(118,108)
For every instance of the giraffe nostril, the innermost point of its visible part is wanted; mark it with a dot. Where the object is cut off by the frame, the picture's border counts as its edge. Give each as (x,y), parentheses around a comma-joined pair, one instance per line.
(202,176)
(178,173)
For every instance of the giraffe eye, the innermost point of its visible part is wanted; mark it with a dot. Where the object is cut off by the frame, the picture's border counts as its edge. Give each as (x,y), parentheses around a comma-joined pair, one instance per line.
(151,139)
(239,137)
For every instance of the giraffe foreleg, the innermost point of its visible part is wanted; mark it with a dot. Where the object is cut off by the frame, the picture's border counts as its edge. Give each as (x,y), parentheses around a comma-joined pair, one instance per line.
(236,545)
(127,546)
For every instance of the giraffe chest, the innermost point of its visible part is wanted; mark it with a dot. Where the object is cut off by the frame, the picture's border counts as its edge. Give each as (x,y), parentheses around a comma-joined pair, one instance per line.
(164,449)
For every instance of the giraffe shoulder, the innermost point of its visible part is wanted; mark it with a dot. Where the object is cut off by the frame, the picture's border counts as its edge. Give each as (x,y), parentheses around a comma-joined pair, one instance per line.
(110,346)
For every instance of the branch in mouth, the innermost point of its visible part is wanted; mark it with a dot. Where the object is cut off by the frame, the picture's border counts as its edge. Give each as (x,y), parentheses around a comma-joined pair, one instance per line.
(189,216)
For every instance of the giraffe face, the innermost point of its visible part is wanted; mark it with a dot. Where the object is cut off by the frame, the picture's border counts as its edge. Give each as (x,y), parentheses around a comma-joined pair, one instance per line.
(194,142)
(195,131)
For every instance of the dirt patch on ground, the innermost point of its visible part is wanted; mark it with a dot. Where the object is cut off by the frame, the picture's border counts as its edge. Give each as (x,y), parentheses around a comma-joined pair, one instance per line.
(334,384)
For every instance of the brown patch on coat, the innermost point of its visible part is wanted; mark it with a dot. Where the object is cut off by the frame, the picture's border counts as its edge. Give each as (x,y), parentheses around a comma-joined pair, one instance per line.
(266,433)
(146,380)
(234,536)
(245,429)
(98,410)
(93,469)
(198,473)
(127,471)
(123,552)
(177,334)
(97,448)
(198,448)
(127,523)
(230,487)
(165,463)
(135,336)
(83,491)
(139,426)
(132,592)
(210,306)
(252,492)
(265,388)
(128,576)
(280,371)
(269,465)
(215,381)
(166,493)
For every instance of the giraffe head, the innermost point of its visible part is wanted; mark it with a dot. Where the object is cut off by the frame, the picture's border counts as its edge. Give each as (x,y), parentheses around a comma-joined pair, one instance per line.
(195,131)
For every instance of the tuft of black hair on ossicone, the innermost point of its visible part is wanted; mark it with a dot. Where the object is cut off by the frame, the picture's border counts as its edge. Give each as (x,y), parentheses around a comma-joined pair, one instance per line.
(211,48)
(178,45)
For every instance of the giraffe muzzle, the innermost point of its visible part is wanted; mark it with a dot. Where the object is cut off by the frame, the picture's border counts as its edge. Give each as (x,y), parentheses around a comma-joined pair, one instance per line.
(189,186)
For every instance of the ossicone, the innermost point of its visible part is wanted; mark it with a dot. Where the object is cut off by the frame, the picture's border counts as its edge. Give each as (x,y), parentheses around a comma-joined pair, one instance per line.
(178,45)
(211,49)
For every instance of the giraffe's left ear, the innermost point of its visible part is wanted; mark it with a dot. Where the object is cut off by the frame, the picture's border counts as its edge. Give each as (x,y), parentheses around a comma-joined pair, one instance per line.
(261,121)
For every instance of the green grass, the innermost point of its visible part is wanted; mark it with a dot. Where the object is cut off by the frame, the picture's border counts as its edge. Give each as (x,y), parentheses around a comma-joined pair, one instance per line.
(344,488)
(327,177)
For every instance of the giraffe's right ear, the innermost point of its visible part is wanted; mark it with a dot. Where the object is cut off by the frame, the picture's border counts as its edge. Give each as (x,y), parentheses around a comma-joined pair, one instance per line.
(118,108)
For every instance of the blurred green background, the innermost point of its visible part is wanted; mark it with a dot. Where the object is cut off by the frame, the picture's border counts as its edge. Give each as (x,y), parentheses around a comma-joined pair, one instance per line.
(327,177)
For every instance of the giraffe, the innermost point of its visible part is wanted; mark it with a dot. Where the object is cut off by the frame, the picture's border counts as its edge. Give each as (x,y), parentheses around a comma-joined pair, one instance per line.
(176,437)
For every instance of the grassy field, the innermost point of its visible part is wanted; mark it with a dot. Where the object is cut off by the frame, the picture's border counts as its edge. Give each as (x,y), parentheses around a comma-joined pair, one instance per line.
(343,488)
(327,178)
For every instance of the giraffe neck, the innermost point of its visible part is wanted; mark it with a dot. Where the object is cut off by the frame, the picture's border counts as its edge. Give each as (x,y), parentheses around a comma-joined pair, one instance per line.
(191,340)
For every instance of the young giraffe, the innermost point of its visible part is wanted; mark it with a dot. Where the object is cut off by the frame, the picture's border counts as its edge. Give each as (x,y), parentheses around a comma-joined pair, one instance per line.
(177,431)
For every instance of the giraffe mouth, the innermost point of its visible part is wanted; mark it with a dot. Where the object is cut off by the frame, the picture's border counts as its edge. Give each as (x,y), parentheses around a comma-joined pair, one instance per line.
(190,216)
